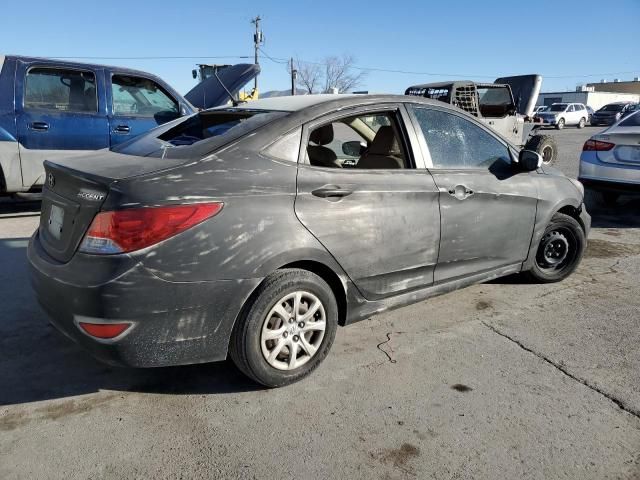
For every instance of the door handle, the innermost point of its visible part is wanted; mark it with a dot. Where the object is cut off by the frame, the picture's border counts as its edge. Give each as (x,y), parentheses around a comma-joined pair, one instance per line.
(39,126)
(460,192)
(122,129)
(331,191)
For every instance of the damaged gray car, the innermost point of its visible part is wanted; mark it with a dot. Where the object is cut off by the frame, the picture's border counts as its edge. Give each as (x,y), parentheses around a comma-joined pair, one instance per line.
(255,231)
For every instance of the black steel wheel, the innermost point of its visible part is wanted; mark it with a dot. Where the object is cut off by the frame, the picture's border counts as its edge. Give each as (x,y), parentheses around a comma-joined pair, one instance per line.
(560,250)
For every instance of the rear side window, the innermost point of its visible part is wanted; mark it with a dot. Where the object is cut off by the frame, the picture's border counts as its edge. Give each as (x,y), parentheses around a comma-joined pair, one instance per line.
(455,142)
(60,90)
(140,97)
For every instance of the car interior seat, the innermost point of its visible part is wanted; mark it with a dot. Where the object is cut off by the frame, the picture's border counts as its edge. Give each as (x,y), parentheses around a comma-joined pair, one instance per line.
(384,151)
(319,155)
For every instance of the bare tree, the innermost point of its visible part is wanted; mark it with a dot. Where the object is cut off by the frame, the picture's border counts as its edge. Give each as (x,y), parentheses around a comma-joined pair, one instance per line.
(333,73)
(339,74)
(309,75)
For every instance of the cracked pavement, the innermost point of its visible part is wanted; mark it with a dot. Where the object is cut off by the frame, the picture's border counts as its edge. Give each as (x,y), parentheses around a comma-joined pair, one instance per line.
(499,380)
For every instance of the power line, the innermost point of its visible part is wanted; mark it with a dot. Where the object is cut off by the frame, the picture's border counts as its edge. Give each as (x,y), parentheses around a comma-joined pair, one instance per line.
(150,58)
(284,61)
(442,74)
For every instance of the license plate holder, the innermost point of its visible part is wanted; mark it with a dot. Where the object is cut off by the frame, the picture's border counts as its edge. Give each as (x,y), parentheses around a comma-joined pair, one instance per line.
(56,220)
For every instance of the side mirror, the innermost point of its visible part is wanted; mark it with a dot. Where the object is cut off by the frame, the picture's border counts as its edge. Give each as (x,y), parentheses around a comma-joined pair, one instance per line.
(528,160)
(353,149)
(194,73)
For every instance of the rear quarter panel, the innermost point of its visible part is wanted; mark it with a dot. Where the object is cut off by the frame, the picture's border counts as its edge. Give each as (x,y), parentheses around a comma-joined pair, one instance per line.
(255,233)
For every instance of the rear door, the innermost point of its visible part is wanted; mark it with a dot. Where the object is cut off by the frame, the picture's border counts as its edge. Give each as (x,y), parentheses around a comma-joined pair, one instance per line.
(60,112)
(487,208)
(377,214)
(137,104)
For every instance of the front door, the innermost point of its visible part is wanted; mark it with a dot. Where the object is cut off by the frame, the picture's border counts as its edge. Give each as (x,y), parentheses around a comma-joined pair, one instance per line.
(487,207)
(376,213)
(138,104)
(59,113)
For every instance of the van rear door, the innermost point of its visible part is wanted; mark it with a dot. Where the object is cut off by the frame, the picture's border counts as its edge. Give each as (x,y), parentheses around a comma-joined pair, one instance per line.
(61,112)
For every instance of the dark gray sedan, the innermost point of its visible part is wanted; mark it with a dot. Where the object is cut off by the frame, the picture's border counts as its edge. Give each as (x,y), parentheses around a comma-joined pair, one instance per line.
(256,230)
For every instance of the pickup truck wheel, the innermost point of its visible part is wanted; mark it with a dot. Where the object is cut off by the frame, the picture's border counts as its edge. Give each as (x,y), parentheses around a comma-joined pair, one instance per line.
(560,124)
(560,250)
(286,329)
(545,146)
(582,123)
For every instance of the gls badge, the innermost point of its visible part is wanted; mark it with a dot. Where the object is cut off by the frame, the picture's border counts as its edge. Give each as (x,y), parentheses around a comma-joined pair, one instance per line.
(90,196)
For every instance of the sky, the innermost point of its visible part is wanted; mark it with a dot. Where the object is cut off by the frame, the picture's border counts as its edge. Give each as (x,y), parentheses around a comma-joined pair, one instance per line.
(568,42)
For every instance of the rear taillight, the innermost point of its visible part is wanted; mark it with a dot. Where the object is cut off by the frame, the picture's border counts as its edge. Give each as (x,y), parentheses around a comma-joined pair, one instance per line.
(104,331)
(597,146)
(121,231)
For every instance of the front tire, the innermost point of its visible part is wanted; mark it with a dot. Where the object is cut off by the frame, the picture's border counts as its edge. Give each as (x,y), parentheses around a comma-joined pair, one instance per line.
(560,124)
(286,329)
(582,123)
(560,250)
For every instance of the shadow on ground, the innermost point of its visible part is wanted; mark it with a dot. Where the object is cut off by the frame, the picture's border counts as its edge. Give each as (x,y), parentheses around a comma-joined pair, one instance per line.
(39,363)
(624,214)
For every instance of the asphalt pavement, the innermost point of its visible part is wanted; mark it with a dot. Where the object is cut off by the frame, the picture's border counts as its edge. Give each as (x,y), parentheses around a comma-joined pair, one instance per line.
(499,380)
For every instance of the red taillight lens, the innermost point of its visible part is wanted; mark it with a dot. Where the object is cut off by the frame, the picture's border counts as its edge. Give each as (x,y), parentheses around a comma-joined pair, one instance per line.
(597,146)
(121,231)
(104,331)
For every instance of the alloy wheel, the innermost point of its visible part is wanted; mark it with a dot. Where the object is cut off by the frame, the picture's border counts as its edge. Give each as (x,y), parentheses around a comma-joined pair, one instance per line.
(293,330)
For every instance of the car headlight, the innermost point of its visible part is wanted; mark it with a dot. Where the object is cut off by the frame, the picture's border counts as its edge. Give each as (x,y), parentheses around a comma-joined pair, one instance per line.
(578,185)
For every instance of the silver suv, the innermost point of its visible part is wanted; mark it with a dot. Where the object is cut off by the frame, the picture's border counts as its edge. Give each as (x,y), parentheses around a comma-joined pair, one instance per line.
(562,114)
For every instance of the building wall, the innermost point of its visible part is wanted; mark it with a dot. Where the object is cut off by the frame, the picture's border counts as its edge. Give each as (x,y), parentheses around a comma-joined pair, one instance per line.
(593,99)
(617,87)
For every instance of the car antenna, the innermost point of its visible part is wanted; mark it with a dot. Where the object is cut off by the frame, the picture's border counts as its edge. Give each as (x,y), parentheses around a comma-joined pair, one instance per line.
(235,102)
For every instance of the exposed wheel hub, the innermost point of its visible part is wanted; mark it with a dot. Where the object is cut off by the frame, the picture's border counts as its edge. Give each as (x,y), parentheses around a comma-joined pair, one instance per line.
(555,248)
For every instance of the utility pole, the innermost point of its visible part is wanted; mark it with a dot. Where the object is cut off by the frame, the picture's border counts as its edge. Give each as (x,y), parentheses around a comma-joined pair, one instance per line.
(294,75)
(258,40)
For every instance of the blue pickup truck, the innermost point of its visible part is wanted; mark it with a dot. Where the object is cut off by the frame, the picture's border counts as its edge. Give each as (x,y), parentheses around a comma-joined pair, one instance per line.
(54,108)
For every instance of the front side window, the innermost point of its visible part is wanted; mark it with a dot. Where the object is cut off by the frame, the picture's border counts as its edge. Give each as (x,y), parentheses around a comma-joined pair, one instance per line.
(60,90)
(495,101)
(367,141)
(455,142)
(140,97)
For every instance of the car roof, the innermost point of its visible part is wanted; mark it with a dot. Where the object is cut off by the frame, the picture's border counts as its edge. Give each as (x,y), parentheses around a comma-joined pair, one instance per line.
(302,102)
(70,62)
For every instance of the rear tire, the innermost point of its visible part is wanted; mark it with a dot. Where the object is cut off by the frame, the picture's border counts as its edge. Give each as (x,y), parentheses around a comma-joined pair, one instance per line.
(273,342)
(545,146)
(560,250)
(560,124)
(582,123)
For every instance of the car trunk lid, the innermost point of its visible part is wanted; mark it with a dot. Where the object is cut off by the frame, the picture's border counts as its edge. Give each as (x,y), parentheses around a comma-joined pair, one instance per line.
(70,200)
(627,146)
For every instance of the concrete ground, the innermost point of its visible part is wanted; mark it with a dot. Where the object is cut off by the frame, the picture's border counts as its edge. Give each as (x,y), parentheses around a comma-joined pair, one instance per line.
(500,380)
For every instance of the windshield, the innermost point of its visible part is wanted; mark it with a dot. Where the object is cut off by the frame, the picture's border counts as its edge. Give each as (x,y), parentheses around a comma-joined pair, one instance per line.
(612,107)
(206,131)
(558,107)
(632,120)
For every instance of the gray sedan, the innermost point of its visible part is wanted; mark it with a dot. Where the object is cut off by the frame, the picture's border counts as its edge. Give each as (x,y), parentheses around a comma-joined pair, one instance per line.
(256,230)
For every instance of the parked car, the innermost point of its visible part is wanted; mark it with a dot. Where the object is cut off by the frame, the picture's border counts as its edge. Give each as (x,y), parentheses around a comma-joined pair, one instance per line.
(633,108)
(53,109)
(562,114)
(248,231)
(611,113)
(610,160)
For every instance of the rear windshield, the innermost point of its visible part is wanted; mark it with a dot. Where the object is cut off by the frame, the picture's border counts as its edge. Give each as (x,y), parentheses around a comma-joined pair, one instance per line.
(612,107)
(558,107)
(631,121)
(204,131)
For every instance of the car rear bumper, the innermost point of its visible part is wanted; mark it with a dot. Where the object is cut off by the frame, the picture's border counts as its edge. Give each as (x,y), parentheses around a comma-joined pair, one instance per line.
(173,323)
(608,176)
